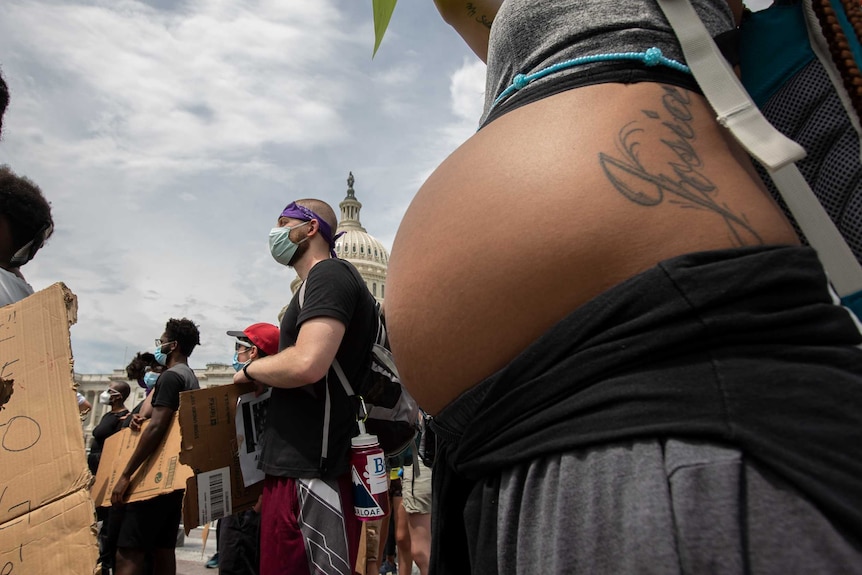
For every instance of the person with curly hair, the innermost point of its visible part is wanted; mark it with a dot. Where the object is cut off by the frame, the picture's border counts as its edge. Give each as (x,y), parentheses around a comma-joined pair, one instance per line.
(4,100)
(150,527)
(25,224)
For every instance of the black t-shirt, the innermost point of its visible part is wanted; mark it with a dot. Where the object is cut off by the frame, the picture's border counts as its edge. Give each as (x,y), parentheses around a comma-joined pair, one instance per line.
(179,378)
(292,438)
(110,424)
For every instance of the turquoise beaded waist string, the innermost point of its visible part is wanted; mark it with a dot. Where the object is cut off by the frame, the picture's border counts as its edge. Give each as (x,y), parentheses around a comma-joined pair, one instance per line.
(650,57)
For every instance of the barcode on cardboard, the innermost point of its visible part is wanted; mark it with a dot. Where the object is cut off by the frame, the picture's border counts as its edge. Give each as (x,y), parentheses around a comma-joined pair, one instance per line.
(217,495)
(214,497)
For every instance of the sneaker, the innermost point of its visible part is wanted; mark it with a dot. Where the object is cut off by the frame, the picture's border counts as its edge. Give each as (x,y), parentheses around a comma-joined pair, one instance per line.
(213,562)
(388,568)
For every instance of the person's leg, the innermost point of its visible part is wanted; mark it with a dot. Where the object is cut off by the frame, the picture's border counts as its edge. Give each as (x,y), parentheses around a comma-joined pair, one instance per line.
(282,549)
(729,510)
(230,545)
(162,518)
(420,539)
(373,536)
(385,526)
(129,561)
(130,536)
(417,503)
(165,561)
(106,555)
(402,537)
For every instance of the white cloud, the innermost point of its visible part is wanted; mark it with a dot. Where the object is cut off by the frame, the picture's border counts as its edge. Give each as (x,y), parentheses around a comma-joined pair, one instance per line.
(168,139)
(468,89)
(179,85)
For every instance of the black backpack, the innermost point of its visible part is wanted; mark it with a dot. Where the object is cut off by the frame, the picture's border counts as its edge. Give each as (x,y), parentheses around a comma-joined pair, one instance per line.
(382,403)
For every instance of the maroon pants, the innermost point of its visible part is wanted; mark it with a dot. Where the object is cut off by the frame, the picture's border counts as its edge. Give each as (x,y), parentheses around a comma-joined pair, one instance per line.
(308,527)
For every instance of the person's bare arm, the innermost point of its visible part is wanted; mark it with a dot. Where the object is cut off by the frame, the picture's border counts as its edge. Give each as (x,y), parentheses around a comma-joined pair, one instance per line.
(472,20)
(304,363)
(147,408)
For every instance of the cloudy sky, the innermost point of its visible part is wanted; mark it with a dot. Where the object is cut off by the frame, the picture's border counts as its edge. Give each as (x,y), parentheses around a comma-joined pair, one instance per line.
(169,134)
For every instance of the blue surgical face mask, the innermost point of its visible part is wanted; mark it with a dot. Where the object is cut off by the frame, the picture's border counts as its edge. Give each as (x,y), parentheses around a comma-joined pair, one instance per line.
(150,379)
(280,245)
(161,357)
(237,364)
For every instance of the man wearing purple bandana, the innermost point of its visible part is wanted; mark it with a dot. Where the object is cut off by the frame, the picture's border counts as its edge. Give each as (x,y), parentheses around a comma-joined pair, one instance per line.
(307,520)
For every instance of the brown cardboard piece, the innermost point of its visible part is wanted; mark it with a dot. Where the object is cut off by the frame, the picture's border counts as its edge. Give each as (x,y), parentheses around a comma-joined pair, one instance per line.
(46,514)
(56,538)
(162,472)
(209,444)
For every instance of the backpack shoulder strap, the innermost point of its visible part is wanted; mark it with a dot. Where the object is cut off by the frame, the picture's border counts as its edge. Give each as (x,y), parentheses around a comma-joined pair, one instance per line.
(736,111)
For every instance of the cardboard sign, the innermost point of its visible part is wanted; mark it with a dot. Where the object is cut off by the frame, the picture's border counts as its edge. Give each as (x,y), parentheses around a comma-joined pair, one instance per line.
(46,514)
(161,473)
(55,538)
(210,447)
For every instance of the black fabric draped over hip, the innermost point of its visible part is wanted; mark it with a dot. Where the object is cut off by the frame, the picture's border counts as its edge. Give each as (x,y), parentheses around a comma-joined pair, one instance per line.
(744,347)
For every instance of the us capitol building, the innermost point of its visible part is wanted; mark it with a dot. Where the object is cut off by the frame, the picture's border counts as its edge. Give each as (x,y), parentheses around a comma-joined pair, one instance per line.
(355,245)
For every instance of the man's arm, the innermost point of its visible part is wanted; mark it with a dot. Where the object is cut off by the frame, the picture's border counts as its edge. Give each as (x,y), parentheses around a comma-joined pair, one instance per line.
(304,363)
(147,408)
(151,437)
(472,20)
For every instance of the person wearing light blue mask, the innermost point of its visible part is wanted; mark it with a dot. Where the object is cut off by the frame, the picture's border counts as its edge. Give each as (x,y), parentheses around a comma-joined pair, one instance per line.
(255,341)
(237,536)
(287,250)
(148,528)
(283,249)
(161,356)
(150,378)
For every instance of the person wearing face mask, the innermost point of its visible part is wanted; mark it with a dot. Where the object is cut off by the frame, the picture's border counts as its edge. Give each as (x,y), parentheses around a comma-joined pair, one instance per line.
(336,319)
(238,535)
(255,341)
(115,397)
(145,370)
(149,528)
(25,224)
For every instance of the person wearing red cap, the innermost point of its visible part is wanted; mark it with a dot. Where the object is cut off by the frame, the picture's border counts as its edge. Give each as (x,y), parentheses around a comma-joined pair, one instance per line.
(257,340)
(238,535)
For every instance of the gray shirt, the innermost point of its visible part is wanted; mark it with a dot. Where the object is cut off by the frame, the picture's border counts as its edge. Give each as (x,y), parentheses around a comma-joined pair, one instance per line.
(530,35)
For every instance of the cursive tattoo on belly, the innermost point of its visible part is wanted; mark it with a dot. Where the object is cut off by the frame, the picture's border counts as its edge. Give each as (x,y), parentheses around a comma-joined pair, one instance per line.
(685,184)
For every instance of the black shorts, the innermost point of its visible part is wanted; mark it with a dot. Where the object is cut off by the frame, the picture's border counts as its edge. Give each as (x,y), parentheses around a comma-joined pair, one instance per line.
(150,524)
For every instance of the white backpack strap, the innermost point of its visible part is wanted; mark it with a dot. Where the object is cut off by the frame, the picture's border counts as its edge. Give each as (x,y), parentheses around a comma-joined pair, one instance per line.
(342,377)
(777,153)
(327,412)
(301,294)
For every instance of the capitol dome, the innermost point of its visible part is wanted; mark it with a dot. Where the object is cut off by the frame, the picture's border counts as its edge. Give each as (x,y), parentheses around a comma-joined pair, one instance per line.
(359,247)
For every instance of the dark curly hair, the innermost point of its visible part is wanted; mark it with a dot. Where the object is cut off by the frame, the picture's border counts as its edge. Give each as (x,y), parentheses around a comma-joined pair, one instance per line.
(24,207)
(4,99)
(185,333)
(136,367)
